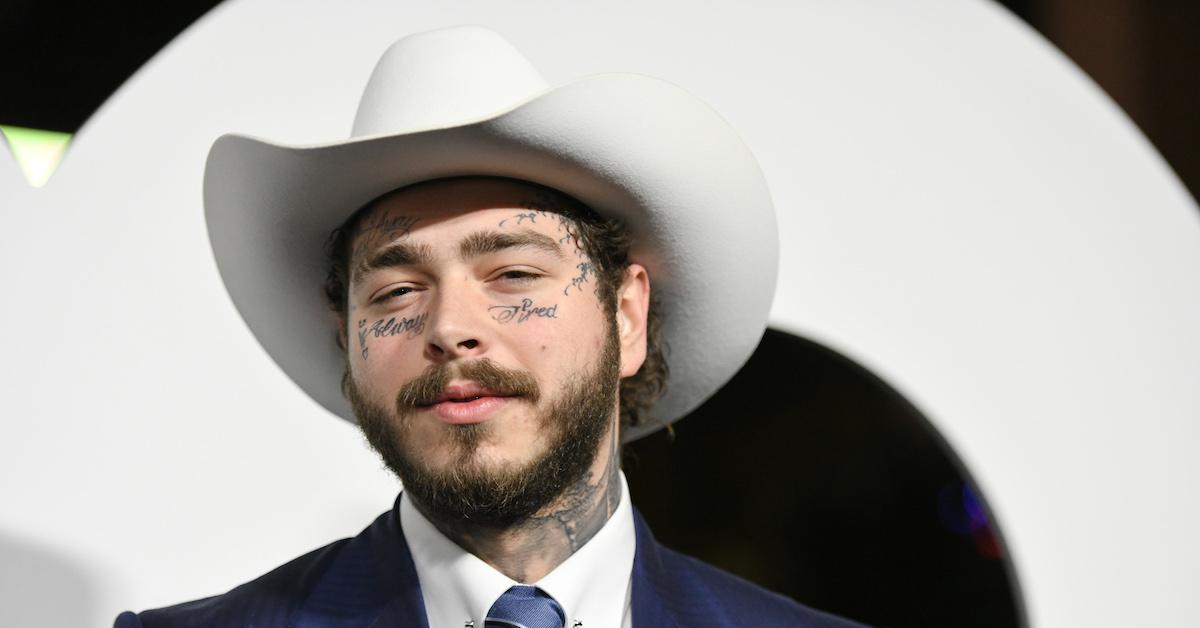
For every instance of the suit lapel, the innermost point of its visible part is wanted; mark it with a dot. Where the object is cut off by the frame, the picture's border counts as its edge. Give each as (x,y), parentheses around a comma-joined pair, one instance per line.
(405,606)
(371,582)
(655,594)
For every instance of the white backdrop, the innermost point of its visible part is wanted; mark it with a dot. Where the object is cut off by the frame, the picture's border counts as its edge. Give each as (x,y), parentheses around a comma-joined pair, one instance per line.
(963,212)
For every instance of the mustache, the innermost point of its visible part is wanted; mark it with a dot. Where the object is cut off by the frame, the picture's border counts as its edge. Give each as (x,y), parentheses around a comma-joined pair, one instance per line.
(429,385)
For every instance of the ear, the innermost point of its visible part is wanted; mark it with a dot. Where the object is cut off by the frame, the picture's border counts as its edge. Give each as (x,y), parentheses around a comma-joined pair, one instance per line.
(633,305)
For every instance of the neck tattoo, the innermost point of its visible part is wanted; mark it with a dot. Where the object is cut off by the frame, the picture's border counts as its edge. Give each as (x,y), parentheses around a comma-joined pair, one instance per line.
(528,551)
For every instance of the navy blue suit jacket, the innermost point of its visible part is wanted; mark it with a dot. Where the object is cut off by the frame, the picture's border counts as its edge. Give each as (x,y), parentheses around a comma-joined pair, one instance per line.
(370,580)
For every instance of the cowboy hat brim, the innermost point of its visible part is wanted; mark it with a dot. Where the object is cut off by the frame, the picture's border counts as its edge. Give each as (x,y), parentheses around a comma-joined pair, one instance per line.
(628,146)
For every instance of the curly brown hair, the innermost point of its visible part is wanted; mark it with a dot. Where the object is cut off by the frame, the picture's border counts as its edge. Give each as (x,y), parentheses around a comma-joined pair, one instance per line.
(605,242)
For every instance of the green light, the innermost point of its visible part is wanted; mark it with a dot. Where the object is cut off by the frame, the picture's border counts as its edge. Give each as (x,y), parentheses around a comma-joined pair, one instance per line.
(38,152)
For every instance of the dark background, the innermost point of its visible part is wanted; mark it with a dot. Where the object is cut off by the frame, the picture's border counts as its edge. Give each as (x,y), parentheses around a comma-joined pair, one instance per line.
(812,477)
(838,492)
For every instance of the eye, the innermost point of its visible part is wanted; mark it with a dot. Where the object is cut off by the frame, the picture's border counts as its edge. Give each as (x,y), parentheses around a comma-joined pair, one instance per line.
(517,276)
(392,293)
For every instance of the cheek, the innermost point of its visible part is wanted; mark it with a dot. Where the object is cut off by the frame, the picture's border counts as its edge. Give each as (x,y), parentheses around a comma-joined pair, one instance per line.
(567,343)
(376,347)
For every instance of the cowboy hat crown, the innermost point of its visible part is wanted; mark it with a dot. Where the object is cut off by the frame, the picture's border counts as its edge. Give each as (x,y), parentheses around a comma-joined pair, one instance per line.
(441,78)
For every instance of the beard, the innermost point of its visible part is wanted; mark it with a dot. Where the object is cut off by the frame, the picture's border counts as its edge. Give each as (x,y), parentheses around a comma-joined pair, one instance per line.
(500,496)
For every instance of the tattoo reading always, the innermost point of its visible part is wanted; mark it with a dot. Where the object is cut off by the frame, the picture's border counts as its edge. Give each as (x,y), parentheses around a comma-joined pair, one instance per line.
(391,327)
(382,228)
(522,312)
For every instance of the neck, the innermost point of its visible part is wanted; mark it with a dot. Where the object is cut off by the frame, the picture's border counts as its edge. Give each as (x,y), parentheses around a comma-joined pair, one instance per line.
(531,549)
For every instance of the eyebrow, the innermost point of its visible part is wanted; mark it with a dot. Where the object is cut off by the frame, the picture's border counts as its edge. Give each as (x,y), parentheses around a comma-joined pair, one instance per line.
(474,245)
(398,254)
(485,242)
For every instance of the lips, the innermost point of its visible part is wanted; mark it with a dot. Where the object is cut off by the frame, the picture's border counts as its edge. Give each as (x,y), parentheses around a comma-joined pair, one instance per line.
(468,403)
(465,393)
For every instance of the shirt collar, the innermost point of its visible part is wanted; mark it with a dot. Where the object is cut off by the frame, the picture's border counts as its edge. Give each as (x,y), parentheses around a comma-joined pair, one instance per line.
(592,585)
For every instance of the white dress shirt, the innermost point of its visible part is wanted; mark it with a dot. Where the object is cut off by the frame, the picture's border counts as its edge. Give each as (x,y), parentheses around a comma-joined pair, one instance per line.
(593,585)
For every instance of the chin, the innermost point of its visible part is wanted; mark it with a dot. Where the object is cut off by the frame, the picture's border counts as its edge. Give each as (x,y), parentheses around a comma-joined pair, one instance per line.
(484,457)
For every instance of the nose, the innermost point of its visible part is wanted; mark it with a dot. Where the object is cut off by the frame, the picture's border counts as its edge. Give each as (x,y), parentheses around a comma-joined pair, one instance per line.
(458,323)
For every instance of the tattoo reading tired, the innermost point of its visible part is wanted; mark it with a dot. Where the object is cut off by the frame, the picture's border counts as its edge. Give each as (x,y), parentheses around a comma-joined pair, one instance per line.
(381,328)
(522,312)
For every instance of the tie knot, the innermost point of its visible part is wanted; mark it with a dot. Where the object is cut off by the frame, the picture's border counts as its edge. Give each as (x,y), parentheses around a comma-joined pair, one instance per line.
(524,606)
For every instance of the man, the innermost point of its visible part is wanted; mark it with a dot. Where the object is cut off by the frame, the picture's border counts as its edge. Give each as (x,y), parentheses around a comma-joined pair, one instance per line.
(492,246)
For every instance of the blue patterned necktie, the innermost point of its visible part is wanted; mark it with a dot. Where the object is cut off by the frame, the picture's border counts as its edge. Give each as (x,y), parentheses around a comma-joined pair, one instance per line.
(524,606)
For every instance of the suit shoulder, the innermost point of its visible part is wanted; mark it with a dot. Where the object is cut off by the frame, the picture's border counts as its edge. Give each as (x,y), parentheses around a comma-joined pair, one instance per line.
(265,601)
(739,597)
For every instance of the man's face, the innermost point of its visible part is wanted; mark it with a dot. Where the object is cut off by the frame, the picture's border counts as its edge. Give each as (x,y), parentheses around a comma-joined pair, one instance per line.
(483,364)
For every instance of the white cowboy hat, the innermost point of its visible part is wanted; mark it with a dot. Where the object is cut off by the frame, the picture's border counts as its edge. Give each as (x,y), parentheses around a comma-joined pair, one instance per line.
(463,101)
